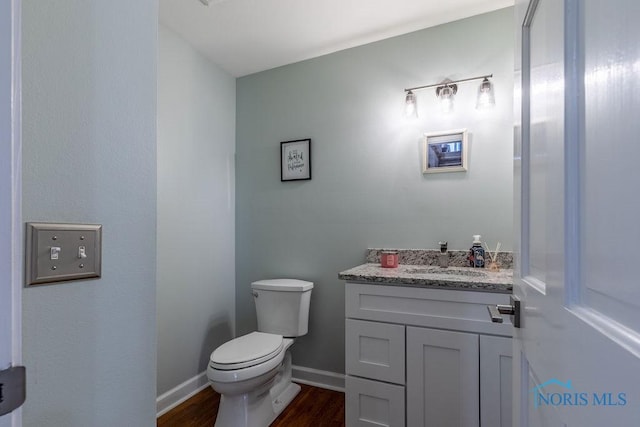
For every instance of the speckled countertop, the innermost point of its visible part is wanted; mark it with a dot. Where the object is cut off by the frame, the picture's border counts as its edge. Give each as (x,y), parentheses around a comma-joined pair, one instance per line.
(429,276)
(426,275)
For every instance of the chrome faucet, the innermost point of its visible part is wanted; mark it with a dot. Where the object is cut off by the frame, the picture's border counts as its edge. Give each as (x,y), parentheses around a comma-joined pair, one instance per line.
(443,256)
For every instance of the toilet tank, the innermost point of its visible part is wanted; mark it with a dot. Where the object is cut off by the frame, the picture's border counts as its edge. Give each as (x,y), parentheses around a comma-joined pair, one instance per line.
(282,306)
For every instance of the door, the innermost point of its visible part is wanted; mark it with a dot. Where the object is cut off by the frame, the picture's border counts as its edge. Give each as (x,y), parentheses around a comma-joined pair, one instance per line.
(577,354)
(496,366)
(443,376)
(10,232)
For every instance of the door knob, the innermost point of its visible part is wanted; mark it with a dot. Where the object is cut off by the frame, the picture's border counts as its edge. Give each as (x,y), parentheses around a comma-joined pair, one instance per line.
(513,309)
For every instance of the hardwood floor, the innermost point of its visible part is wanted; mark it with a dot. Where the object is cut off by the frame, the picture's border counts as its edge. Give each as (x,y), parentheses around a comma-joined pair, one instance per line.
(312,407)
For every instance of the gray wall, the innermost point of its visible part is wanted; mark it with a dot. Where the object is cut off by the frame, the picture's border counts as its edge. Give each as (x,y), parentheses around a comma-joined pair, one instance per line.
(89,135)
(196,210)
(367,188)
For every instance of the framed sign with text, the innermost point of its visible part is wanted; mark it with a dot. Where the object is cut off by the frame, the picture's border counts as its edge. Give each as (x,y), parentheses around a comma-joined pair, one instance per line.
(295,160)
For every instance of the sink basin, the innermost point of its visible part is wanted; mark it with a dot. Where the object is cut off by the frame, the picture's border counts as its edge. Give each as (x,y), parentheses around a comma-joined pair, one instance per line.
(451,271)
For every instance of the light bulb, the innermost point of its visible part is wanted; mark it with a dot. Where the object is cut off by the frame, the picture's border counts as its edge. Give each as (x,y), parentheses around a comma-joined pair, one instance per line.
(410,105)
(446,99)
(486,98)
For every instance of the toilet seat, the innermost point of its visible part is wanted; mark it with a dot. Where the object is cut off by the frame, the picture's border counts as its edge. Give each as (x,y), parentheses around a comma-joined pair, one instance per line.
(268,353)
(246,351)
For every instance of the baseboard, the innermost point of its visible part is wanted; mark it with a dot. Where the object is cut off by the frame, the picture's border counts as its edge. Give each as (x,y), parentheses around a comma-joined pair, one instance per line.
(318,378)
(179,394)
(300,374)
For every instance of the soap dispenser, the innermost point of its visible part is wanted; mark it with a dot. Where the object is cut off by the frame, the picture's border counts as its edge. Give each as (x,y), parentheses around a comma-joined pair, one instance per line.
(476,253)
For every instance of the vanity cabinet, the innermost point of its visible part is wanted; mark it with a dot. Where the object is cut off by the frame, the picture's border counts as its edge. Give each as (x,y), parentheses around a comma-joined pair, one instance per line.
(425,357)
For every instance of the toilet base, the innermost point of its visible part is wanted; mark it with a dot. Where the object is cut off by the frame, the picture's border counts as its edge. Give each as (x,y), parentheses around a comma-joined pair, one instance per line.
(259,408)
(281,401)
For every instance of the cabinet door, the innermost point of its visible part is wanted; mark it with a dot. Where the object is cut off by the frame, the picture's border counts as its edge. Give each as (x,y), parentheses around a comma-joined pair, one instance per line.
(375,350)
(442,378)
(495,381)
(373,404)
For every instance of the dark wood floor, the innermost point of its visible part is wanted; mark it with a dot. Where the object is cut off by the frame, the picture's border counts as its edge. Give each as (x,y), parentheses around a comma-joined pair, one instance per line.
(314,406)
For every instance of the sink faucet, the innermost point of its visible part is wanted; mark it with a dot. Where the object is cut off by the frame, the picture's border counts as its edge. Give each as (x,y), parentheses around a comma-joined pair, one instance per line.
(443,256)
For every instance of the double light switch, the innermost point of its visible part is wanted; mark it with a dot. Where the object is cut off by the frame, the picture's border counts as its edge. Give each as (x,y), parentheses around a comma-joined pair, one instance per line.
(61,252)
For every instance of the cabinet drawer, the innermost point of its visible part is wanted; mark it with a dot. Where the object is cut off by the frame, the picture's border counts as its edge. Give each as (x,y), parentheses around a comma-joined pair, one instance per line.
(373,404)
(375,350)
(433,308)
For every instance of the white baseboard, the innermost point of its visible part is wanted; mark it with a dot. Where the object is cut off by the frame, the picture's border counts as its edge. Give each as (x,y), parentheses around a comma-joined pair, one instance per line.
(318,378)
(182,392)
(300,374)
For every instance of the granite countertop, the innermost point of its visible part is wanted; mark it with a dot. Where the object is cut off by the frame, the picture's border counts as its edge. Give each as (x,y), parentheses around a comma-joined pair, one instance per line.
(431,276)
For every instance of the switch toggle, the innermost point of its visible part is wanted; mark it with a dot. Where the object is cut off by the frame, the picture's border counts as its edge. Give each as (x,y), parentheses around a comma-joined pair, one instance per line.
(82,252)
(54,253)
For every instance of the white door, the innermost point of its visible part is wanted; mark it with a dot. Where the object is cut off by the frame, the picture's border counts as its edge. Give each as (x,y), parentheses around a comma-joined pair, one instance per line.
(577,354)
(10,232)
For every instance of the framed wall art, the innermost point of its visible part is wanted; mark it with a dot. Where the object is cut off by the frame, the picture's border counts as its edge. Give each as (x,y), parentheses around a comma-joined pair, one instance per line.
(445,151)
(295,160)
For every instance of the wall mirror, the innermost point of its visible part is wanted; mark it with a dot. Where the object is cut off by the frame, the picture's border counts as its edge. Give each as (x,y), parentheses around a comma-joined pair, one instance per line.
(445,151)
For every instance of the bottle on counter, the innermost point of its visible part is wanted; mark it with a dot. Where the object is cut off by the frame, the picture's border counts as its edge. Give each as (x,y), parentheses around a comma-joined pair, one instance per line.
(476,253)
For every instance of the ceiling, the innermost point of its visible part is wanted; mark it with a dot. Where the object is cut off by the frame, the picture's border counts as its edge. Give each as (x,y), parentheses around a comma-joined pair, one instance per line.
(248,36)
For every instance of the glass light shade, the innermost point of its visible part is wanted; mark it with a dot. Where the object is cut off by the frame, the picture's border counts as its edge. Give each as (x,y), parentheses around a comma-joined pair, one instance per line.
(410,105)
(446,99)
(486,98)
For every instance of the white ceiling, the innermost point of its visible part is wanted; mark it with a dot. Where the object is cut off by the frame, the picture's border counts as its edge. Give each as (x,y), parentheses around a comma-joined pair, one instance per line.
(247,36)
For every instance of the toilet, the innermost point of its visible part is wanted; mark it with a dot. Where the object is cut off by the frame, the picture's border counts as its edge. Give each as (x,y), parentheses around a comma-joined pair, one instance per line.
(253,372)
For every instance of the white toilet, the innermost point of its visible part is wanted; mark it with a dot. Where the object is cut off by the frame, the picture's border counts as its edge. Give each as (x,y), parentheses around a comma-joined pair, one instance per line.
(253,372)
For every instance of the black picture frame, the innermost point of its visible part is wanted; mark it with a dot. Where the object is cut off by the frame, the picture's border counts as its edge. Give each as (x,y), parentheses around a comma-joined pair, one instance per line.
(295,160)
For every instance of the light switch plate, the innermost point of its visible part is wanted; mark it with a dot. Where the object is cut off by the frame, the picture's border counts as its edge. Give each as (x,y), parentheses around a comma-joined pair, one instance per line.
(61,252)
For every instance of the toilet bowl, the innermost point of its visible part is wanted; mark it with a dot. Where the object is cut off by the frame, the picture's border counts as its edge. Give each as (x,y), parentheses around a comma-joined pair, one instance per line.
(252,373)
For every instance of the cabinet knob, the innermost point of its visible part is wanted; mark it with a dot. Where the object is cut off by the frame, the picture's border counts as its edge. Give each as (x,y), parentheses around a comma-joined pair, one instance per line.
(513,310)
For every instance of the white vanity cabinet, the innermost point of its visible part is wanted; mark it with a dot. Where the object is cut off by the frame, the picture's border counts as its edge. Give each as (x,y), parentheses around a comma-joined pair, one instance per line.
(425,357)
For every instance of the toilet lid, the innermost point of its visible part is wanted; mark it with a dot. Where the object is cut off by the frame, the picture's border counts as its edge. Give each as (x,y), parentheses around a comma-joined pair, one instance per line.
(247,350)
(283,285)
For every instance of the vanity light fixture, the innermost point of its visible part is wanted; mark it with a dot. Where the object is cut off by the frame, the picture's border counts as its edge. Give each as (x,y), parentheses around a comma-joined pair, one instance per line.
(445,92)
